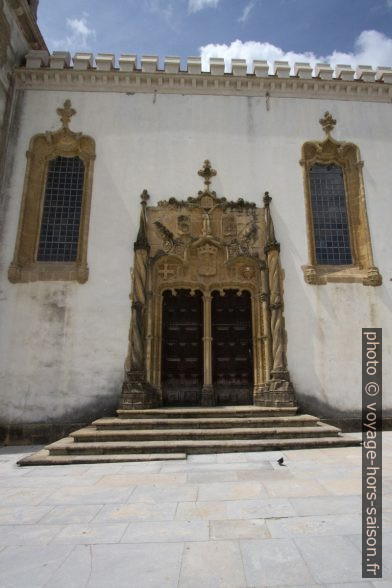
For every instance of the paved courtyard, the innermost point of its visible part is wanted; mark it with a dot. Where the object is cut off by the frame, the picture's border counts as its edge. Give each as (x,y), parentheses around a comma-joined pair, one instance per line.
(229,520)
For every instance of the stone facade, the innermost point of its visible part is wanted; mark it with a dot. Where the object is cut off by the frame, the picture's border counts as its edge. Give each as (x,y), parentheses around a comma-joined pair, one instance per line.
(63,344)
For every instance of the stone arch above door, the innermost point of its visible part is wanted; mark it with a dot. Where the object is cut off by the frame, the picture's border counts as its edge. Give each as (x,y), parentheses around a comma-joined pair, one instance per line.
(205,244)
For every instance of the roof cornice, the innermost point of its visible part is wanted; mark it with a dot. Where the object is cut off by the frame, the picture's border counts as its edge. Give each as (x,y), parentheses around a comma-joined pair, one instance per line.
(44,72)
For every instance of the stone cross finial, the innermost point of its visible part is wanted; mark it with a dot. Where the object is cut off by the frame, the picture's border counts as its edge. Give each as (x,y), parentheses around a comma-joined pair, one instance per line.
(66,113)
(144,196)
(327,122)
(267,199)
(207,173)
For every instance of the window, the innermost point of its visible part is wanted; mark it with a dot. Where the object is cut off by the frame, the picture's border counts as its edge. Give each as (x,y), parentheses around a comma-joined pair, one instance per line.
(337,225)
(53,228)
(329,211)
(59,235)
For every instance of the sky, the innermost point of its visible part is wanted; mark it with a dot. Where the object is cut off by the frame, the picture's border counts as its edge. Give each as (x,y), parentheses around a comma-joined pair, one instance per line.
(335,31)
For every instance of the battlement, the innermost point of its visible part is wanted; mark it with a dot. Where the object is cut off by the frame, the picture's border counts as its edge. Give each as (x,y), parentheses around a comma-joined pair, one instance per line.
(237,67)
(130,74)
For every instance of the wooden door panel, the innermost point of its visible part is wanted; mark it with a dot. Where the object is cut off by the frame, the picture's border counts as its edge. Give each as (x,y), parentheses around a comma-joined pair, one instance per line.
(182,347)
(232,362)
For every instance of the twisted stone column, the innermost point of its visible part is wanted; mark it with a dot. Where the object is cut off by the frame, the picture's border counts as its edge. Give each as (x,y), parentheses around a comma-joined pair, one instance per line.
(136,392)
(276,308)
(138,310)
(278,390)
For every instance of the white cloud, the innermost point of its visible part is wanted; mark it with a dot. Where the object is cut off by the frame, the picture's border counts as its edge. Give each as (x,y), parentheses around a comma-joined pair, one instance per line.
(389,3)
(196,5)
(79,36)
(371,48)
(162,8)
(80,31)
(247,11)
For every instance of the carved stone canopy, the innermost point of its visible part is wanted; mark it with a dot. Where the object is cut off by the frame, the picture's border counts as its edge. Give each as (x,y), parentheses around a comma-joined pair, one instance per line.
(205,240)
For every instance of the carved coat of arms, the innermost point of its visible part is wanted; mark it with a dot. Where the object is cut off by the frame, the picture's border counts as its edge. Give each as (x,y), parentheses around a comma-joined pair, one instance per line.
(207,260)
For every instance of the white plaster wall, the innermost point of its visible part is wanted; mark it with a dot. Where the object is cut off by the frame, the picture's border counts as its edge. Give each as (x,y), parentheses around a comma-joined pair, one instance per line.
(63,345)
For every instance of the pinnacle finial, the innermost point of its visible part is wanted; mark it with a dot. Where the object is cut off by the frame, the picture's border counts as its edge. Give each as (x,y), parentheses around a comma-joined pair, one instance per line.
(66,113)
(328,123)
(144,196)
(267,199)
(207,173)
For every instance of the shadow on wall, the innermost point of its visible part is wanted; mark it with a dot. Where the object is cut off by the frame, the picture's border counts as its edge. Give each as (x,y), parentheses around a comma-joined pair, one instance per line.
(49,431)
(348,421)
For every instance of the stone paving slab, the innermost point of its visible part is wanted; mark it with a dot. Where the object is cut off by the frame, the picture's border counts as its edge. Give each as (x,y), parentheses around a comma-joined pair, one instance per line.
(90,534)
(274,562)
(208,564)
(341,524)
(70,514)
(233,520)
(31,566)
(159,493)
(28,534)
(168,531)
(136,512)
(326,505)
(22,515)
(231,491)
(239,529)
(332,559)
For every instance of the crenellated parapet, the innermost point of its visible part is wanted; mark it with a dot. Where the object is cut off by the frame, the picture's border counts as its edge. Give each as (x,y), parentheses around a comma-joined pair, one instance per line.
(217,66)
(103,72)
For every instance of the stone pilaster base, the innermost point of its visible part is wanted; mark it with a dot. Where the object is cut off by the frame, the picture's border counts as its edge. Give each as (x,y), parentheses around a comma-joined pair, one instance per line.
(207,396)
(278,391)
(137,393)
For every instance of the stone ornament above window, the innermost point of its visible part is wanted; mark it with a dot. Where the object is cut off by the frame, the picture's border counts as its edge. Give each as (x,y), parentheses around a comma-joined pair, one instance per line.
(338,232)
(35,256)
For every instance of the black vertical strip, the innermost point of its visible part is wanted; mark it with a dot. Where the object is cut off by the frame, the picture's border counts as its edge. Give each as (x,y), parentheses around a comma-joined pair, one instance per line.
(372,453)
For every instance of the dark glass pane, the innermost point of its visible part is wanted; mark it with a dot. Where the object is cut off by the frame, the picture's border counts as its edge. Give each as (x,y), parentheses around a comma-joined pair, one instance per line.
(330,222)
(60,223)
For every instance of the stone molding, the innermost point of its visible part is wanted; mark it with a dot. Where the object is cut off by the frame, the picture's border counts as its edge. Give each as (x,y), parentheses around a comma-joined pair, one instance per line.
(347,156)
(43,148)
(84,76)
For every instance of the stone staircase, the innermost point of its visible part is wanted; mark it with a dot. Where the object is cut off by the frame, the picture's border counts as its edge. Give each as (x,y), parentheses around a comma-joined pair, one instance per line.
(174,433)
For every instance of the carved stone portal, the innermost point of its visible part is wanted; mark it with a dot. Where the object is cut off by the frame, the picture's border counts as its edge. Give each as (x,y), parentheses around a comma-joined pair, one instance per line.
(209,246)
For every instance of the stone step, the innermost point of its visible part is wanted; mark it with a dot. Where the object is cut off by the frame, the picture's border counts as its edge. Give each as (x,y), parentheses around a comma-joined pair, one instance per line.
(43,457)
(204,423)
(68,447)
(207,412)
(90,434)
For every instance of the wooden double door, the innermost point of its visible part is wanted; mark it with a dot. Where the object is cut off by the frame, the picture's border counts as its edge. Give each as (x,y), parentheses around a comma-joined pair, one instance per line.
(207,342)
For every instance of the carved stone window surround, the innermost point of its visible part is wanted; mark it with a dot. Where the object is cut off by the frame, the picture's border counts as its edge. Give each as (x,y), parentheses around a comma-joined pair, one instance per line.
(42,149)
(346,155)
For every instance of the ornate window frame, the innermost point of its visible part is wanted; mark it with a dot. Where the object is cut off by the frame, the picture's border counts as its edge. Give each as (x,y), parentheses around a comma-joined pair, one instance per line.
(44,148)
(347,156)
